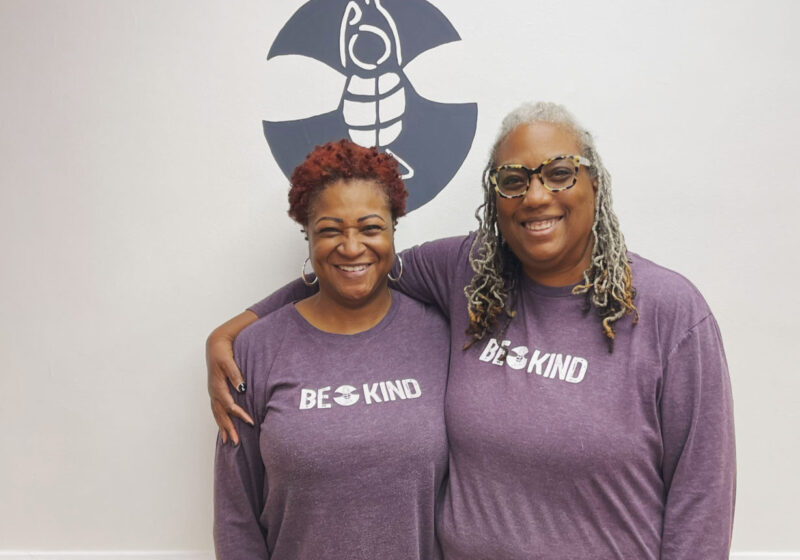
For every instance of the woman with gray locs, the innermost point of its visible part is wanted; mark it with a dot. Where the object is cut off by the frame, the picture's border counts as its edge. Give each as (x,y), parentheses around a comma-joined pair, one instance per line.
(344,460)
(588,407)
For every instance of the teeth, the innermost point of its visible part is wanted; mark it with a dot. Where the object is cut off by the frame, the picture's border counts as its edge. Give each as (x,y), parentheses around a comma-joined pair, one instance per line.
(540,225)
(354,268)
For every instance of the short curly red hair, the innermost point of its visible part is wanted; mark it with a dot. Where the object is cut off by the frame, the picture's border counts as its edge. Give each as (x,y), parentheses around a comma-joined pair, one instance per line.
(344,159)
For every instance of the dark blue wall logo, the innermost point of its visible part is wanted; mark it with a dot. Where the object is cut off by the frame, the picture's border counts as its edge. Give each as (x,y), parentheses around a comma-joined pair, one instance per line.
(370,42)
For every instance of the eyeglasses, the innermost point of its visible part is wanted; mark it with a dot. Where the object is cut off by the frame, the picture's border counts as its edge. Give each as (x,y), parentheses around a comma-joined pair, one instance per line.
(556,174)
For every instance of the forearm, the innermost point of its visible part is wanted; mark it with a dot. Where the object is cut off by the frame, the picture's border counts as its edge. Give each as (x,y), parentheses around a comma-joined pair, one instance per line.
(223,371)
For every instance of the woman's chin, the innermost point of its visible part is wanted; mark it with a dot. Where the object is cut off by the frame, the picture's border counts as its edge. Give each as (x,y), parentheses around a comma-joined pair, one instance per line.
(356,297)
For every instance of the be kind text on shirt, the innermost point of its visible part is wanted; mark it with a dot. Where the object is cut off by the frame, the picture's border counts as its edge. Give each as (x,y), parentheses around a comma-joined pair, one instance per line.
(348,395)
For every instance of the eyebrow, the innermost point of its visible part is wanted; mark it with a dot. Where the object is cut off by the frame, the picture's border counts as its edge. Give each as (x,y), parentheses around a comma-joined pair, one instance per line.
(368,216)
(338,220)
(341,221)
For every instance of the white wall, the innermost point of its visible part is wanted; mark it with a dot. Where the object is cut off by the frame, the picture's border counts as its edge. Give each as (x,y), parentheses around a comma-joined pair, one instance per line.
(141,206)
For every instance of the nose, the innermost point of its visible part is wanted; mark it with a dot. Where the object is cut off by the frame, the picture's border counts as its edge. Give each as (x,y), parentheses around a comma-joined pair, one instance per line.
(351,246)
(537,193)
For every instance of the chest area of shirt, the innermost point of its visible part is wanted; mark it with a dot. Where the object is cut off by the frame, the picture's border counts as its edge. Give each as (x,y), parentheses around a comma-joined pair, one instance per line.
(313,389)
(347,413)
(559,372)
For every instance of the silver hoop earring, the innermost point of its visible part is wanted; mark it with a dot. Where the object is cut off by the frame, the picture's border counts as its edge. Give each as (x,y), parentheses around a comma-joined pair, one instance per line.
(399,274)
(303,274)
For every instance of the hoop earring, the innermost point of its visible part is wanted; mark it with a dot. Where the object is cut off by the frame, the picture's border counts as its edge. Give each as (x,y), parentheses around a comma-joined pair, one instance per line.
(400,274)
(303,274)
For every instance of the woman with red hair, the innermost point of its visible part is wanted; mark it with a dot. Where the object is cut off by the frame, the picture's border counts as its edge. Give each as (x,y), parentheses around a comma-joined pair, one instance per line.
(341,459)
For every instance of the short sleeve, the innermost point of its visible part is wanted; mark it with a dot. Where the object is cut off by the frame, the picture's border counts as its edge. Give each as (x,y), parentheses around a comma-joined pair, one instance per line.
(291,292)
(432,272)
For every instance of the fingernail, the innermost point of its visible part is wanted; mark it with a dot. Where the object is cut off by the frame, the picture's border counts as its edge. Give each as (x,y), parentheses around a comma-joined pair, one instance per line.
(242,387)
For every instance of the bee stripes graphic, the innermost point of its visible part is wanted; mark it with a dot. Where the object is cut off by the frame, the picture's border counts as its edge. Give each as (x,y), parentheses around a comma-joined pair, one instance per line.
(370,42)
(373,107)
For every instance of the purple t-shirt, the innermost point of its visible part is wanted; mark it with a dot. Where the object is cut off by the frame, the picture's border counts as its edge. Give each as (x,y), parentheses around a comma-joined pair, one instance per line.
(349,452)
(568,451)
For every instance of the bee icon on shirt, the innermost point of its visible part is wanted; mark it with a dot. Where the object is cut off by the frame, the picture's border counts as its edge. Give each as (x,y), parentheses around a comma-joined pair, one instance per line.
(346,395)
(516,358)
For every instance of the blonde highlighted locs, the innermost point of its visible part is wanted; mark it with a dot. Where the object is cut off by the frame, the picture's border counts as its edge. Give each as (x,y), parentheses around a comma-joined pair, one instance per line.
(608,281)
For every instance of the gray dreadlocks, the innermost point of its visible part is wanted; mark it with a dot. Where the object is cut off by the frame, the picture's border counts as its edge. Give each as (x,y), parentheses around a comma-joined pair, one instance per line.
(607,282)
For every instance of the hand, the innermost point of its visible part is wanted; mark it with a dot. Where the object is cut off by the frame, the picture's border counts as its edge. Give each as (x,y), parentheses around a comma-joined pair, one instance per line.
(223,369)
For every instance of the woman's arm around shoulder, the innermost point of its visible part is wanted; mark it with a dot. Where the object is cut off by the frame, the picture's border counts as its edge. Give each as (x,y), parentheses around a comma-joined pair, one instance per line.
(432,273)
(221,367)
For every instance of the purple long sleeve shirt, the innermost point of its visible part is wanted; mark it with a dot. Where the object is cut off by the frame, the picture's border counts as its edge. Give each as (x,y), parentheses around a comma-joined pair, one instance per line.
(349,452)
(565,450)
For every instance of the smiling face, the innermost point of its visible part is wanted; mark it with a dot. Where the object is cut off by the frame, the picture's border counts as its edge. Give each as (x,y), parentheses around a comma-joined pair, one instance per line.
(550,233)
(351,241)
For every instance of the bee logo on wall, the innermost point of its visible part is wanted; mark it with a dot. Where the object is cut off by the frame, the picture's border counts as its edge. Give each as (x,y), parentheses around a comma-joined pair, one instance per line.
(370,42)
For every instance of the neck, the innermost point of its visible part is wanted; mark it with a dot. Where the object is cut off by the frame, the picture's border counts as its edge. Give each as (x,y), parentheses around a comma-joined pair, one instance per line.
(555,279)
(562,274)
(340,317)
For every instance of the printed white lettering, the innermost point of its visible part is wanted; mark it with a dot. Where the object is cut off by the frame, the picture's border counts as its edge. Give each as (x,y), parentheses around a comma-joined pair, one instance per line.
(546,364)
(347,395)
(308,398)
(371,394)
(489,351)
(413,390)
(536,362)
(322,397)
(572,377)
(560,366)
(549,366)
(395,390)
(500,357)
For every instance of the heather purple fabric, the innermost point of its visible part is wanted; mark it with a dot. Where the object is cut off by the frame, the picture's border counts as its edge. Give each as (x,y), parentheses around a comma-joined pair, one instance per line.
(349,452)
(568,451)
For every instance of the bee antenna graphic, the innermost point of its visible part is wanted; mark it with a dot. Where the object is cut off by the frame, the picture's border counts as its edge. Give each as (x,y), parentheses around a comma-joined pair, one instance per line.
(353,8)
